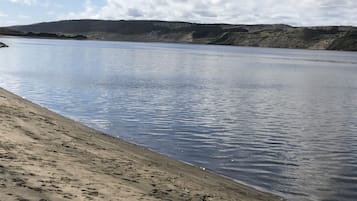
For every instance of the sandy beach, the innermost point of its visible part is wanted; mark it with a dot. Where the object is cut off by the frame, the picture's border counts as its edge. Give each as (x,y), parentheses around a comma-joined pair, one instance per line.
(44,156)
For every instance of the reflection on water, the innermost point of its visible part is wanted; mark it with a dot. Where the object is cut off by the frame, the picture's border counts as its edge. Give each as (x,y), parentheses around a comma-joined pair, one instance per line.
(282,120)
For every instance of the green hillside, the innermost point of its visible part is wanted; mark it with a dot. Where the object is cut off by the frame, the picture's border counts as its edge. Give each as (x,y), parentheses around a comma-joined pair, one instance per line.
(276,35)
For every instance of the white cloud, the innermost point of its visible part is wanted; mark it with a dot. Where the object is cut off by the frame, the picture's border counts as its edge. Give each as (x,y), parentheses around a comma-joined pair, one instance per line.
(27,2)
(3,15)
(302,12)
(50,13)
(23,17)
(89,12)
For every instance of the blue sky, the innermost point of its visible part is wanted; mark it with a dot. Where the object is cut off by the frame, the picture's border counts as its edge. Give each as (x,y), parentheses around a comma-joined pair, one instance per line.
(298,13)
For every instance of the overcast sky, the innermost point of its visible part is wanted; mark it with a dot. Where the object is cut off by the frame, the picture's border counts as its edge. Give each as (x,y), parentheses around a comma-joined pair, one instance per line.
(293,12)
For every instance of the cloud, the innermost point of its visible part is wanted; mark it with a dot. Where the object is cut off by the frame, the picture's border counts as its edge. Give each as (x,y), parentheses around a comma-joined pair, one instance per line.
(41,3)
(24,17)
(134,12)
(51,13)
(27,2)
(89,12)
(3,15)
(302,12)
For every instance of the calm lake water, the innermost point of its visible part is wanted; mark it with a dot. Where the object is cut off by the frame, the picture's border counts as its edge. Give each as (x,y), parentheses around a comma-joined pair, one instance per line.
(281,120)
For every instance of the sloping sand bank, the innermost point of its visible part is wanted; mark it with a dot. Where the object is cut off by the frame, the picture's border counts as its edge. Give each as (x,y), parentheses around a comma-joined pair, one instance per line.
(44,156)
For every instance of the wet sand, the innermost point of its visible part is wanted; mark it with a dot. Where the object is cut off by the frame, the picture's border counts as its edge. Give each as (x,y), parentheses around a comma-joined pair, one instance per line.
(44,156)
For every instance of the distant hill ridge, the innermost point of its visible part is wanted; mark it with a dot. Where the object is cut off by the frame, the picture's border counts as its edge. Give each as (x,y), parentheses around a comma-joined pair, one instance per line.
(275,35)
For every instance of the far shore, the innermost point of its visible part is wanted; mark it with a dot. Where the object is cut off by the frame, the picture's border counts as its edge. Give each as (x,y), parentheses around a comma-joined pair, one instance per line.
(341,38)
(45,156)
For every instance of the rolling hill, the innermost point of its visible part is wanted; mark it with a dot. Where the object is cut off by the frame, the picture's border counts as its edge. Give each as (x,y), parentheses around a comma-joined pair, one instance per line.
(275,35)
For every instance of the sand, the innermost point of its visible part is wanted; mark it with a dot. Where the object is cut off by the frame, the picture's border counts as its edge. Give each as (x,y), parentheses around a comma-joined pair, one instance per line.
(44,156)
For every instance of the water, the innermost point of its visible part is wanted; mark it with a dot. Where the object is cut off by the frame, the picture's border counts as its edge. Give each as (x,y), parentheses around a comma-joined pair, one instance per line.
(281,120)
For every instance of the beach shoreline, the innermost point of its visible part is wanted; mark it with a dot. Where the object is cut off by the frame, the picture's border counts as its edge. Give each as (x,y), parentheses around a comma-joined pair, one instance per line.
(46,156)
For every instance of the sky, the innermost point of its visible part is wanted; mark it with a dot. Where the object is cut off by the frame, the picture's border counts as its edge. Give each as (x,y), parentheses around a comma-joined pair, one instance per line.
(292,12)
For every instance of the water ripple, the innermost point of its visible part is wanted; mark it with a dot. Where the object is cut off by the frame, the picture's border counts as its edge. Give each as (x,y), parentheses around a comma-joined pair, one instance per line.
(281,120)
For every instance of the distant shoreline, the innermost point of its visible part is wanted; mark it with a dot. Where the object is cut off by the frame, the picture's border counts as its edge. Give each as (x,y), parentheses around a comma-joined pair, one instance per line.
(342,38)
(47,156)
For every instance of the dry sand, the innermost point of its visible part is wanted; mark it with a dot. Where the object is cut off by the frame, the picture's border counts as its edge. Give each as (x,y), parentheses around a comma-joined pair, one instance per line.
(44,156)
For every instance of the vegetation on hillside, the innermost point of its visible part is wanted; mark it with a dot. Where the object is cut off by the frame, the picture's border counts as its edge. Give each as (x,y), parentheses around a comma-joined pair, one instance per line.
(277,35)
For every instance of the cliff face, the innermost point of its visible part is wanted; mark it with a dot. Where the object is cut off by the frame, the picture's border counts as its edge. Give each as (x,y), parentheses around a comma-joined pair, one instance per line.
(278,36)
